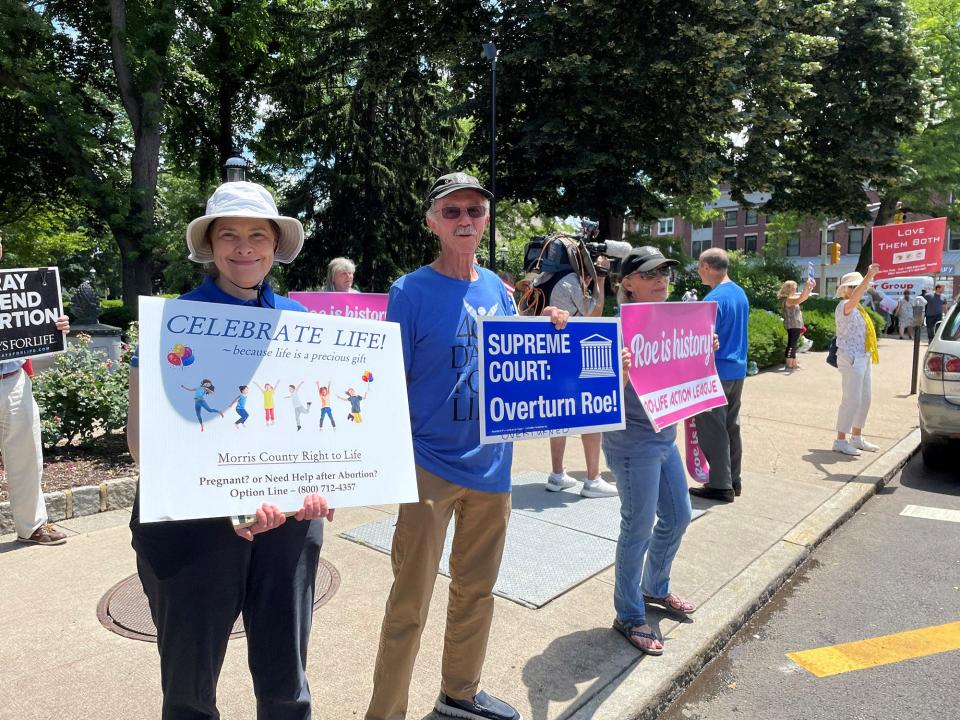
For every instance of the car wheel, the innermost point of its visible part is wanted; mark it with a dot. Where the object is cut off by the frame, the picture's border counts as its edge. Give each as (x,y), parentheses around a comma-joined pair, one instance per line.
(933,452)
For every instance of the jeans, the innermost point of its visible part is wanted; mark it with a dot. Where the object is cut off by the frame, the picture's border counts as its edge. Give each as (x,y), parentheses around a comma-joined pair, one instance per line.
(932,321)
(654,514)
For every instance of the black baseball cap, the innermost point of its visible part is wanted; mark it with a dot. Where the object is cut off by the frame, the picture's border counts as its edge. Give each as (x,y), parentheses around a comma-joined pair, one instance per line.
(644,259)
(451,182)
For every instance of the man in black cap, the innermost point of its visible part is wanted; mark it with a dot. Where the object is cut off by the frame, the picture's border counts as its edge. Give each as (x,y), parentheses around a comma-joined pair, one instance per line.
(437,307)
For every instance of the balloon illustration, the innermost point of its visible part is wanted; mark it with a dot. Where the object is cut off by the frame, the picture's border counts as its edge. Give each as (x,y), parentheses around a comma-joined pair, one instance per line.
(187,360)
(187,352)
(367,376)
(178,349)
(173,358)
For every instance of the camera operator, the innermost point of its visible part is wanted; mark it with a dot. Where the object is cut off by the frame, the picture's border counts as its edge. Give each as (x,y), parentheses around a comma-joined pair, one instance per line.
(581,293)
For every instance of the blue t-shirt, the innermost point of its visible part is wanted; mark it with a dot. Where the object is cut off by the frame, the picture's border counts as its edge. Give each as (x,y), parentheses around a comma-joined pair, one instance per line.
(209,291)
(733,316)
(438,329)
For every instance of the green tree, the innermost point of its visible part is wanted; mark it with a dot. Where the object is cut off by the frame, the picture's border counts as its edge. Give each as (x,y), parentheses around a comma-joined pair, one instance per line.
(361,125)
(605,108)
(854,96)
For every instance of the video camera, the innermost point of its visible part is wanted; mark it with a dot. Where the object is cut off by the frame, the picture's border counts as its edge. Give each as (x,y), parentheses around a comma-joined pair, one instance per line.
(542,254)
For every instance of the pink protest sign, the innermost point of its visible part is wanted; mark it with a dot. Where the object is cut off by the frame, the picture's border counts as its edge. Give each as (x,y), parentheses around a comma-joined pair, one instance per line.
(913,248)
(372,306)
(672,368)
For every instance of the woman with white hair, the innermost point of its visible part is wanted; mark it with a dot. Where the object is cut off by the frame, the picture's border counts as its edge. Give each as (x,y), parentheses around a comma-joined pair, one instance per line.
(340,275)
(856,352)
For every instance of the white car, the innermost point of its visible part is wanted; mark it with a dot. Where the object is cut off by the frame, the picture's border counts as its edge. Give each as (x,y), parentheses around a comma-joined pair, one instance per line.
(939,398)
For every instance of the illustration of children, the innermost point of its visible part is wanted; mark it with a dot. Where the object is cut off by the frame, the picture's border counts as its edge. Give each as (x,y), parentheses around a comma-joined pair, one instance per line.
(325,410)
(241,404)
(354,400)
(268,401)
(200,399)
(298,408)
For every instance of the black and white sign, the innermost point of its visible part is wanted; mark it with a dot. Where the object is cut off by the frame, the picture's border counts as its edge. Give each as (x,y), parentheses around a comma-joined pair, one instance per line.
(29,307)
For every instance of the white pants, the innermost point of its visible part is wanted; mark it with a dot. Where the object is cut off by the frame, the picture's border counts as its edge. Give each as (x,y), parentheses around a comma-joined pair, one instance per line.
(855,401)
(22,453)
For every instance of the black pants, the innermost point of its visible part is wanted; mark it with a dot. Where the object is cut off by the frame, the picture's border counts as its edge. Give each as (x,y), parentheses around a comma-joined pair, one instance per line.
(198,577)
(718,431)
(793,337)
(932,321)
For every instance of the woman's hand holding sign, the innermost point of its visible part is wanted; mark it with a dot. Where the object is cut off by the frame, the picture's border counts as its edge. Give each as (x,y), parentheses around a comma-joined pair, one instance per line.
(314,508)
(268,517)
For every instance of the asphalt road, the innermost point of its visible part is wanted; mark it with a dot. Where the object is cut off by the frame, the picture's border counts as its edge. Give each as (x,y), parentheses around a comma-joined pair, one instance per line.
(880,573)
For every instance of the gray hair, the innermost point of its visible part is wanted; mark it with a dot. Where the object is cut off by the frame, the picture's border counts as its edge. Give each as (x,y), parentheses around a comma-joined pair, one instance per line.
(337,265)
(715,259)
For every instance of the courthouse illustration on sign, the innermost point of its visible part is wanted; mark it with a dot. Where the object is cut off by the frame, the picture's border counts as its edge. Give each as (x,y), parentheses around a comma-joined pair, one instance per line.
(596,353)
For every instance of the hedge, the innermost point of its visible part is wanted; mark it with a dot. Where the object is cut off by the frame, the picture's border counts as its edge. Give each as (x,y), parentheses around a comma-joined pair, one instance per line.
(767,338)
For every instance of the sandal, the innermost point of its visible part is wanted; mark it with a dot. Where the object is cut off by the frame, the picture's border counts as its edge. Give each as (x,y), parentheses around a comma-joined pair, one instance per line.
(636,637)
(672,603)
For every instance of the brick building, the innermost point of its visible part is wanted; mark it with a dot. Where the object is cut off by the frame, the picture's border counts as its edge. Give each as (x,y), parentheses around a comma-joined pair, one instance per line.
(744,228)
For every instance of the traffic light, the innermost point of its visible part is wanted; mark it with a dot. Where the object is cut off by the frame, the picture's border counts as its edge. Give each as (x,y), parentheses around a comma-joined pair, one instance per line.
(834,253)
(898,217)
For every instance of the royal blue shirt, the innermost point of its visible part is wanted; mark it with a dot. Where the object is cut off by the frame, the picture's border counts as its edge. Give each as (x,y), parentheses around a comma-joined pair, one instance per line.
(733,317)
(209,291)
(438,330)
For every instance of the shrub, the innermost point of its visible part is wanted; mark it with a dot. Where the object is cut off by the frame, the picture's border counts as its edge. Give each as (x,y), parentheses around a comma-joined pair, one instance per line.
(821,327)
(82,393)
(767,338)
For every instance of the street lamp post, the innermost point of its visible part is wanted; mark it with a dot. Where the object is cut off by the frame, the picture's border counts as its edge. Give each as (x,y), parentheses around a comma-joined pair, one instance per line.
(235,167)
(490,53)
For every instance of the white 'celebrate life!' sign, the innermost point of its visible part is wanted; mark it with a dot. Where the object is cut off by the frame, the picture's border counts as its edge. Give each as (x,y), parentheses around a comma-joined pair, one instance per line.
(240,406)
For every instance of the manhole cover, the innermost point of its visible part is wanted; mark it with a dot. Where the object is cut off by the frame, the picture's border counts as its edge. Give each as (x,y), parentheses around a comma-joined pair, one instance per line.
(124,609)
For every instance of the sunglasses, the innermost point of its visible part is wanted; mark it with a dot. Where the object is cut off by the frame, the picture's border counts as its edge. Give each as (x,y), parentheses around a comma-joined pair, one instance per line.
(452,212)
(662,271)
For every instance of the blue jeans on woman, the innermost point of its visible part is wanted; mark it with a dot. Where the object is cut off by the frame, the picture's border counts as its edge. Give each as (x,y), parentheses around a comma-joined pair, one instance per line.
(654,513)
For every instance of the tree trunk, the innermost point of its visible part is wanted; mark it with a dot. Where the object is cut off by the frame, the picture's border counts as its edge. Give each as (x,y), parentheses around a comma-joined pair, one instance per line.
(888,206)
(611,226)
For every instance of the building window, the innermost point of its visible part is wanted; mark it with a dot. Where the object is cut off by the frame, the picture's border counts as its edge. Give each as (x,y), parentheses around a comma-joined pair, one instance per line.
(730,242)
(793,245)
(955,239)
(751,217)
(830,235)
(854,241)
(665,226)
(699,246)
(707,225)
(750,243)
(730,218)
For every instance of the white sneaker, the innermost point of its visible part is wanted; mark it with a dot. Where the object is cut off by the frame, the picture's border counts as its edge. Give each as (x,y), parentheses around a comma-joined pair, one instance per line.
(842,446)
(598,488)
(858,442)
(560,481)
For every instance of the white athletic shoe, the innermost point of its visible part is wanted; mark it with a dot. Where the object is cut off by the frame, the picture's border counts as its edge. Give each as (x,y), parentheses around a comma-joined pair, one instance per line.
(560,481)
(842,446)
(858,442)
(598,488)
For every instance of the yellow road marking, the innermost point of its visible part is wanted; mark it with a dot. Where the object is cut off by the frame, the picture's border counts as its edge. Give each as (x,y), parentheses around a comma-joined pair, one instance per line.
(883,650)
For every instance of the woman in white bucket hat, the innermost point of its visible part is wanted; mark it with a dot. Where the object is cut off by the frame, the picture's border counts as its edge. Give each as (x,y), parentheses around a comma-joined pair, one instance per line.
(199,575)
(856,352)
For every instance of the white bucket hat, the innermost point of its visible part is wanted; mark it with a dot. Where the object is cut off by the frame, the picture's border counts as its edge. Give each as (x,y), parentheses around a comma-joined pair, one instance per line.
(851,279)
(243,199)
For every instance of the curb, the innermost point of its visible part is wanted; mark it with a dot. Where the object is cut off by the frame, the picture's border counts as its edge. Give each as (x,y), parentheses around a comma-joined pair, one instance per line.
(78,501)
(644,690)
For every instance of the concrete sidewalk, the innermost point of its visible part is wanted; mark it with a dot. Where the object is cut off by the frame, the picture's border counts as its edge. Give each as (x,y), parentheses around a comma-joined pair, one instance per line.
(560,661)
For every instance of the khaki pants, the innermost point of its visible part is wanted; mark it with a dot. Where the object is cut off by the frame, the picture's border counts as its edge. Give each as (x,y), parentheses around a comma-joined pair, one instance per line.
(479,534)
